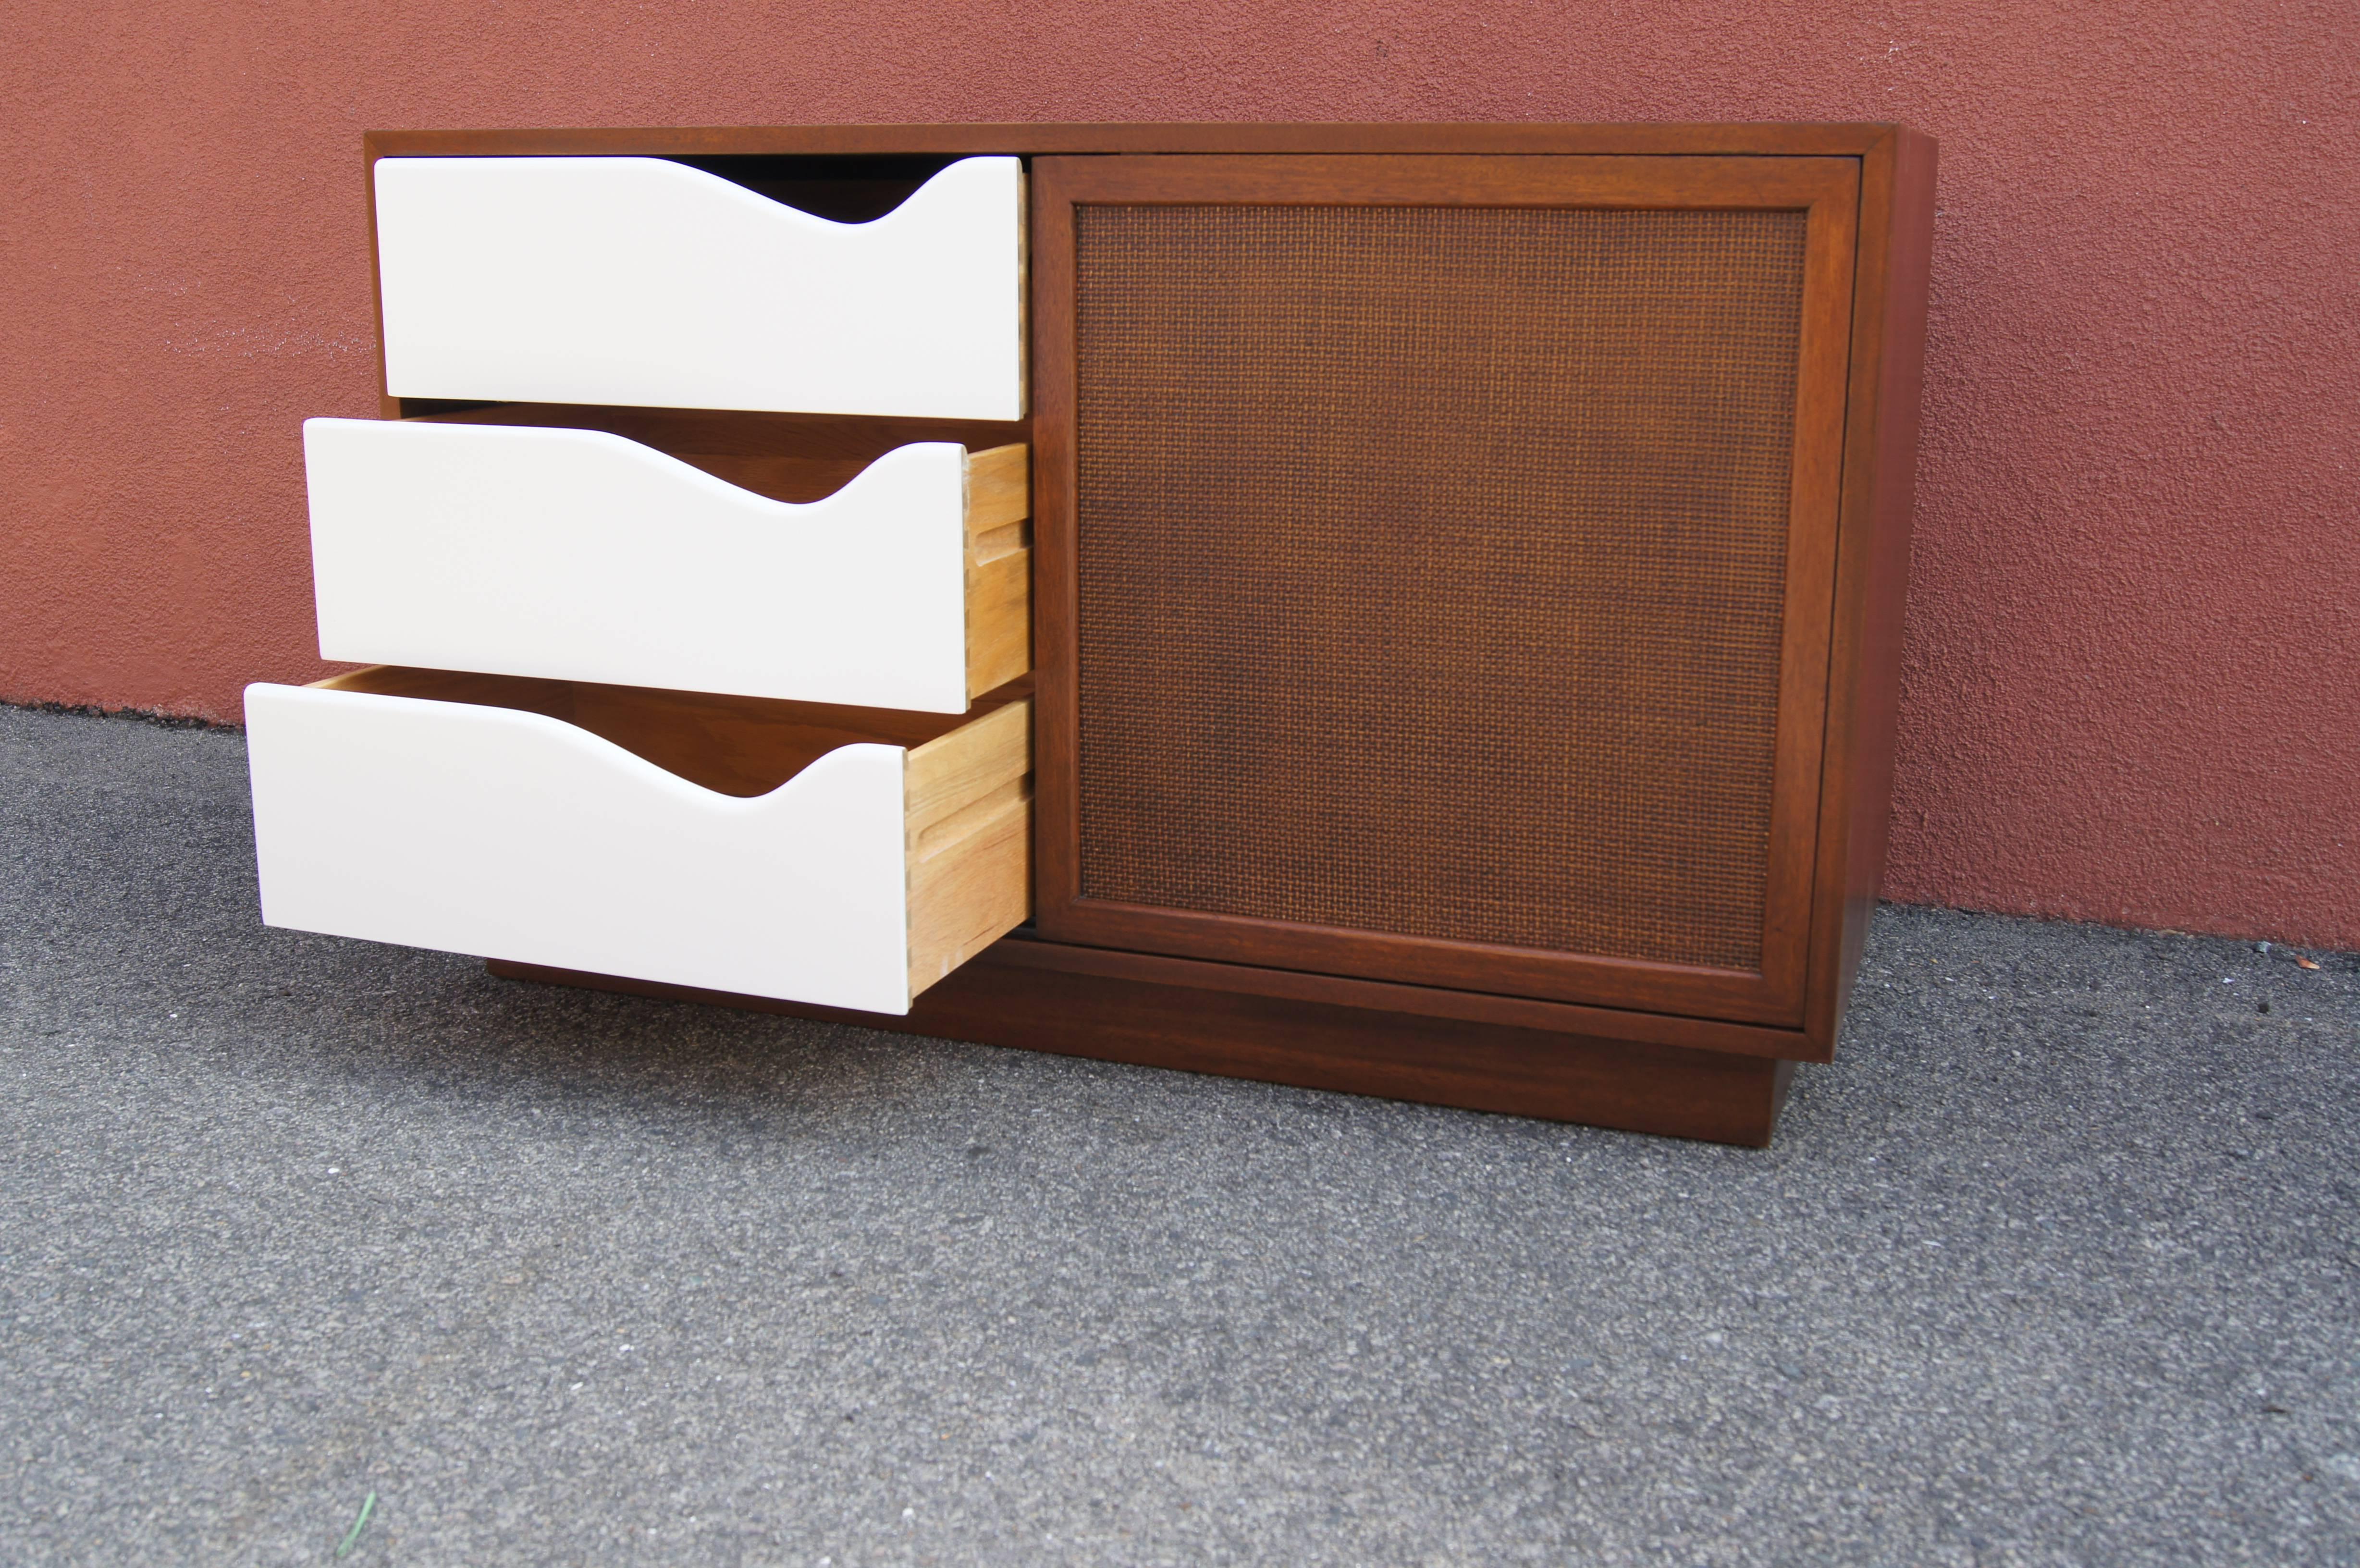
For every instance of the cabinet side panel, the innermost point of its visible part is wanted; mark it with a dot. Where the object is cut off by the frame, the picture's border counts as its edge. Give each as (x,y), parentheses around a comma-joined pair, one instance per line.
(1902,379)
(1860,760)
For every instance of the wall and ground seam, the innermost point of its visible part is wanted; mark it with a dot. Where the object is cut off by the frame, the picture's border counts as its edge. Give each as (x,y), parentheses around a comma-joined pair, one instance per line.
(2132,692)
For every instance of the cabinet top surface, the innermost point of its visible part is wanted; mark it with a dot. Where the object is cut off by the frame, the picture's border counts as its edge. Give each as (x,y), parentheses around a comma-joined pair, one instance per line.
(1205,137)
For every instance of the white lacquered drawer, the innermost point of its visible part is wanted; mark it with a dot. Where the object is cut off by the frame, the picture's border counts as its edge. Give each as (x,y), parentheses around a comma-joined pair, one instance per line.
(635,280)
(581,555)
(775,850)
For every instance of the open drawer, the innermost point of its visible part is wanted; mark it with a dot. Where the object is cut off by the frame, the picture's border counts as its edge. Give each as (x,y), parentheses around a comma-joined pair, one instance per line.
(842,856)
(642,280)
(578,554)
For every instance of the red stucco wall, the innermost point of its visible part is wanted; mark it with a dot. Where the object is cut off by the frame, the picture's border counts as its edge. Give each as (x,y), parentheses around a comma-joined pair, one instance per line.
(2132,682)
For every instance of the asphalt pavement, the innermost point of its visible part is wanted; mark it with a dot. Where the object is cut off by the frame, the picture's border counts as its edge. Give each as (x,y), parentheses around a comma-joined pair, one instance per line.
(2055,1265)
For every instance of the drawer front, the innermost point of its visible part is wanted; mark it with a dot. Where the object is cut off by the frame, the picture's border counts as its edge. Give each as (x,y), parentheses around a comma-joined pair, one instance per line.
(633,281)
(867,874)
(579,555)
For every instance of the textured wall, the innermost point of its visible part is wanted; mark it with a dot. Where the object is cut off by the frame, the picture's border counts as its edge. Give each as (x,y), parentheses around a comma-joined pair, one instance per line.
(2133,690)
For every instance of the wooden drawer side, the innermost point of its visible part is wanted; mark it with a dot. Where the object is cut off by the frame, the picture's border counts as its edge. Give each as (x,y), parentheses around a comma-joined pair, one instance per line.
(970,841)
(999,567)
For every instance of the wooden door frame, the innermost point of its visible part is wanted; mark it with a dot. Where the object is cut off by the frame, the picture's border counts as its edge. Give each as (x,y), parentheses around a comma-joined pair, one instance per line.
(1828,189)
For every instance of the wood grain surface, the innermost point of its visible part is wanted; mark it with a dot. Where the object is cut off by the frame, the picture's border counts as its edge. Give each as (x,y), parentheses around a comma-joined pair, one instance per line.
(999,999)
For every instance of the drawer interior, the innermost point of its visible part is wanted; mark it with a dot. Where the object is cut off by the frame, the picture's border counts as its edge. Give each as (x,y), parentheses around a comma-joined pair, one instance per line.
(787,457)
(848,189)
(733,745)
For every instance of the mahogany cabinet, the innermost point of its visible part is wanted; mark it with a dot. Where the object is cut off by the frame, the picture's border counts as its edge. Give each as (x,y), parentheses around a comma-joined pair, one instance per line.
(1411,609)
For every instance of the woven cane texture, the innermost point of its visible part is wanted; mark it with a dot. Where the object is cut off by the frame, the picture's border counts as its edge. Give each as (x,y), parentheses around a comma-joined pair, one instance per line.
(1431,562)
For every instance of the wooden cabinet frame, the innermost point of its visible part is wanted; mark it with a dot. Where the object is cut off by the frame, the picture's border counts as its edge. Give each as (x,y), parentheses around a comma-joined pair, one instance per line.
(1692,1052)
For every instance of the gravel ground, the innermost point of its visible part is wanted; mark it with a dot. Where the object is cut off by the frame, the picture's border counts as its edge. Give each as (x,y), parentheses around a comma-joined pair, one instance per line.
(2056,1265)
